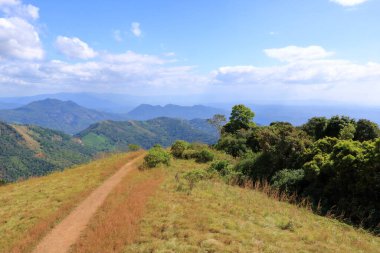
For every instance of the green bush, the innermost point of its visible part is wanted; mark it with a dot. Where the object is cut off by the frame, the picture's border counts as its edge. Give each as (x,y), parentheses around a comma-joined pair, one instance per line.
(156,156)
(222,167)
(178,148)
(204,156)
(287,180)
(194,176)
(189,154)
(133,147)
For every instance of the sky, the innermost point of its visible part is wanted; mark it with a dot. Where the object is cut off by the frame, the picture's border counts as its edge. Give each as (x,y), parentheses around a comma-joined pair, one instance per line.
(264,51)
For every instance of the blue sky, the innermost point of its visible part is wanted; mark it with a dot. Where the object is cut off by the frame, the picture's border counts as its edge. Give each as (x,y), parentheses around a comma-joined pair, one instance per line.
(226,50)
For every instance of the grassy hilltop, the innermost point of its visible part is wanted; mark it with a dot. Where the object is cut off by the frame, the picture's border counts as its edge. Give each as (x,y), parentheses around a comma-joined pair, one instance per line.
(175,208)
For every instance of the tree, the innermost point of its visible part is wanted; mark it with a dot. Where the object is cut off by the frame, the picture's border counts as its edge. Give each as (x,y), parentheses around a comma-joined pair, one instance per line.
(366,130)
(218,120)
(241,118)
(347,132)
(316,127)
(336,124)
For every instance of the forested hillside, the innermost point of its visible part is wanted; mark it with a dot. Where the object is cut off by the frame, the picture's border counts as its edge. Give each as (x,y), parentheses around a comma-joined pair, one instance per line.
(114,135)
(334,163)
(27,151)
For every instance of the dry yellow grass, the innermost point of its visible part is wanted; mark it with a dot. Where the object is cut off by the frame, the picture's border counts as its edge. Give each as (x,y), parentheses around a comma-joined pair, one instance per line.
(30,142)
(216,217)
(30,208)
(116,222)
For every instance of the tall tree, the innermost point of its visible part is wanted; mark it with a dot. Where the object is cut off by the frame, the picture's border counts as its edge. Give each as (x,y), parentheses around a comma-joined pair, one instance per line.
(241,118)
(366,130)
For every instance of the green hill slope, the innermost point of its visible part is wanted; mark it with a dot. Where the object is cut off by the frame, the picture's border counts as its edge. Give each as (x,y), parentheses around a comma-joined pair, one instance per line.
(110,135)
(216,217)
(65,116)
(27,151)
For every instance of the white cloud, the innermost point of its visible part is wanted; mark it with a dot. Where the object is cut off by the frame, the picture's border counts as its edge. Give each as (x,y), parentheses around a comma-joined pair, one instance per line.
(18,36)
(15,8)
(127,72)
(307,77)
(294,53)
(135,29)
(74,48)
(349,3)
(19,40)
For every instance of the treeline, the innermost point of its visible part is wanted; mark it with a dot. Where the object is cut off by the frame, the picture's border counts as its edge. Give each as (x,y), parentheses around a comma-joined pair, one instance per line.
(335,163)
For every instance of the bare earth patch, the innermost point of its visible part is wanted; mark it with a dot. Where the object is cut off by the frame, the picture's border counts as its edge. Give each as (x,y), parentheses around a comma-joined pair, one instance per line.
(68,231)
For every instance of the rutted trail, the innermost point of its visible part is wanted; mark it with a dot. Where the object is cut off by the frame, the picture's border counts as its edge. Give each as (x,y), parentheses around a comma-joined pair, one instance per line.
(68,231)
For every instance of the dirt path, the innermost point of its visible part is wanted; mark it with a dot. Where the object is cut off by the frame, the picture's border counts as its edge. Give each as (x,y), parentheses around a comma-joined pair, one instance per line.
(68,231)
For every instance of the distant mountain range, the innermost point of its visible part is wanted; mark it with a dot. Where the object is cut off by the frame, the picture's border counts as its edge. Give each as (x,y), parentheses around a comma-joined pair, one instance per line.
(144,112)
(110,135)
(71,118)
(65,116)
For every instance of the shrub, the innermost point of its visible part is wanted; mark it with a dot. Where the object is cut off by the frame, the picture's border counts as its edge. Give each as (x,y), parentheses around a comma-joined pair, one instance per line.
(178,148)
(156,156)
(204,156)
(222,167)
(194,176)
(133,147)
(287,180)
(189,154)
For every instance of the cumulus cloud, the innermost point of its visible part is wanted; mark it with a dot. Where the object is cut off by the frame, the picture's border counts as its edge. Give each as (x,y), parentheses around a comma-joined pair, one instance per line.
(310,75)
(349,3)
(135,29)
(127,72)
(301,66)
(294,53)
(74,48)
(19,37)
(15,8)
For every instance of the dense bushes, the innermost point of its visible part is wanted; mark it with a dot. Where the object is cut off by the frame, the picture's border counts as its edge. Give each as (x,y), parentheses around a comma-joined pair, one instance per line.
(199,152)
(333,162)
(156,156)
(178,148)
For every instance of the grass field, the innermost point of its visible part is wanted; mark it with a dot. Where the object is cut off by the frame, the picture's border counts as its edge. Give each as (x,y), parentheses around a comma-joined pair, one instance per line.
(215,217)
(156,211)
(30,208)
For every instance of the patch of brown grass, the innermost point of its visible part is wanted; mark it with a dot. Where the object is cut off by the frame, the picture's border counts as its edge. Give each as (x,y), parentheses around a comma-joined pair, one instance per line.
(31,208)
(116,223)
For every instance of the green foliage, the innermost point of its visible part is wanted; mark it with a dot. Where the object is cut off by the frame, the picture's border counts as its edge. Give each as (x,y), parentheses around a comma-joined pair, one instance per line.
(347,132)
(156,156)
(194,176)
(288,180)
(133,147)
(204,156)
(234,145)
(241,118)
(366,130)
(178,148)
(316,127)
(319,161)
(336,124)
